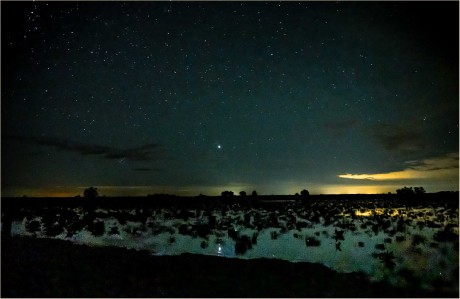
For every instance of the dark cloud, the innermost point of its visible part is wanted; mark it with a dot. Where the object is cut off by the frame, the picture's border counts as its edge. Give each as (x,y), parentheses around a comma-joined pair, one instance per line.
(146,152)
(399,139)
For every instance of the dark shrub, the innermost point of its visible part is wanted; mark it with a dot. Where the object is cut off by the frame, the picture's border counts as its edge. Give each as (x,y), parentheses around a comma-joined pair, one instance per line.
(380,246)
(301,224)
(375,229)
(243,244)
(202,230)
(33,226)
(204,244)
(400,238)
(184,230)
(387,259)
(247,218)
(97,228)
(434,245)
(232,233)
(446,235)
(51,226)
(212,221)
(114,230)
(312,242)
(418,239)
(338,235)
(254,238)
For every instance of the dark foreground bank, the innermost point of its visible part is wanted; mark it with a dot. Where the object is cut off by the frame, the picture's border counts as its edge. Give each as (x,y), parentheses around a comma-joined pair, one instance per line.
(52,268)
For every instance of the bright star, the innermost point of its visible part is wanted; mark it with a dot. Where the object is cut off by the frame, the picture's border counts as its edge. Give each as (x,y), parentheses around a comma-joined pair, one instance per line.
(219,146)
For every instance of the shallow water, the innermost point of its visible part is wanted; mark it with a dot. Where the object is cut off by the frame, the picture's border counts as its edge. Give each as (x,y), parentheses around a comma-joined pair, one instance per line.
(396,244)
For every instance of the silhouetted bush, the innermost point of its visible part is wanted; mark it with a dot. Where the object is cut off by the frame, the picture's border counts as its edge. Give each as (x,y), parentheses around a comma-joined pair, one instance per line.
(242,193)
(97,228)
(232,233)
(419,190)
(33,226)
(338,235)
(312,242)
(405,191)
(204,244)
(304,193)
(227,193)
(380,246)
(53,229)
(90,192)
(297,236)
(400,238)
(445,235)
(254,238)
(387,259)
(114,230)
(202,230)
(418,239)
(243,244)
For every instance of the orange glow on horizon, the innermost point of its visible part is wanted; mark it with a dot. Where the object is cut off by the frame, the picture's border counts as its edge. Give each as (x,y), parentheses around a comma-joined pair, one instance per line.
(429,169)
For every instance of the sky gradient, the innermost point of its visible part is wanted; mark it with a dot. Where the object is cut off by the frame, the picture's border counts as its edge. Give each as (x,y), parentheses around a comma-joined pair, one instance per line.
(186,98)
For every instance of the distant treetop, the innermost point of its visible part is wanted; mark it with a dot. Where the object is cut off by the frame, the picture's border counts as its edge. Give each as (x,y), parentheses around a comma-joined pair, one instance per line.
(90,192)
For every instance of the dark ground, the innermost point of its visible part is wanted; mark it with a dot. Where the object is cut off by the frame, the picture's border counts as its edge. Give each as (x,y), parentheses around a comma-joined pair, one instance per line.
(53,268)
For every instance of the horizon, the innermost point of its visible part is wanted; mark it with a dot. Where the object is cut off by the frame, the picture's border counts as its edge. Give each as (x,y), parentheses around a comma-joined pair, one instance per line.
(102,194)
(200,97)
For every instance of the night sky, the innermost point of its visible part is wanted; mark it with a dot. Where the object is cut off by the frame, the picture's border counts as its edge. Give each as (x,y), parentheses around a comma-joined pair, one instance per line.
(185,98)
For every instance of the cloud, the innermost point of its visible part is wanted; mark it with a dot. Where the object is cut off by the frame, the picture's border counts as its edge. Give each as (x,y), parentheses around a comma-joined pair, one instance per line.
(146,152)
(445,167)
(397,138)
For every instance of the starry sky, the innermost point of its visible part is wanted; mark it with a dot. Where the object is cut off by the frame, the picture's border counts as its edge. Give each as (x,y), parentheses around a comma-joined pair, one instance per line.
(185,98)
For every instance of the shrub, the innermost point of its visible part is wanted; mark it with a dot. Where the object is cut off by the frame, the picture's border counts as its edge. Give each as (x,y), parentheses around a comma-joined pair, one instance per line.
(400,238)
(97,228)
(33,226)
(418,239)
(254,238)
(114,230)
(204,244)
(312,242)
(380,246)
(243,244)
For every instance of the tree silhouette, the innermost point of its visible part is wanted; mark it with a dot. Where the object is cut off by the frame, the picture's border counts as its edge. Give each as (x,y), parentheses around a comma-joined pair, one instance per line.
(90,192)
(419,190)
(304,192)
(227,193)
(254,193)
(242,193)
(405,191)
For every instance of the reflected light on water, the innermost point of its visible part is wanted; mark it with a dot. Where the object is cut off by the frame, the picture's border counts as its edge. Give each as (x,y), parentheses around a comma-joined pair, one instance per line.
(377,211)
